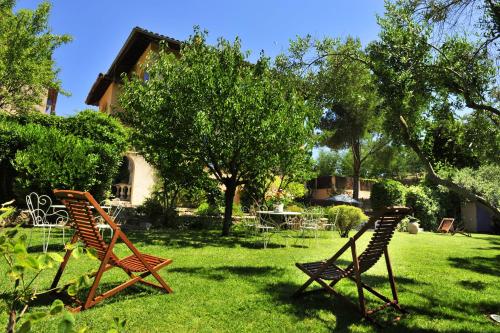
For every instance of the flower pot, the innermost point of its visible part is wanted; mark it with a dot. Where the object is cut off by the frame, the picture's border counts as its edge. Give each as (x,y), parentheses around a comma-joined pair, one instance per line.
(278,208)
(413,228)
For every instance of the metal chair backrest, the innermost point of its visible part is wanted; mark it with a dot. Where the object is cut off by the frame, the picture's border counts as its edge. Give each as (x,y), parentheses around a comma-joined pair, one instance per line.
(384,230)
(80,206)
(40,209)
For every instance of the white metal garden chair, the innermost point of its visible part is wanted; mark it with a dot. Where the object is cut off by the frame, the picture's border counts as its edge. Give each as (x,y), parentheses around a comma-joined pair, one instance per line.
(267,228)
(46,216)
(113,208)
(310,226)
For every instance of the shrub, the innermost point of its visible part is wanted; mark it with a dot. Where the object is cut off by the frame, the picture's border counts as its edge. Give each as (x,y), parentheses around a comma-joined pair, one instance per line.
(295,208)
(205,209)
(81,152)
(387,193)
(345,218)
(152,208)
(55,160)
(425,207)
(238,210)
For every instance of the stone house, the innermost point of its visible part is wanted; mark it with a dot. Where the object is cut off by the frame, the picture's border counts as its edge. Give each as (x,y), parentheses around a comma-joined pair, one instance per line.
(137,177)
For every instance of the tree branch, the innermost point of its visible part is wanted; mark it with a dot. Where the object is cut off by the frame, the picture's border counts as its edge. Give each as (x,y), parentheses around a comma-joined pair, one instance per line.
(434,177)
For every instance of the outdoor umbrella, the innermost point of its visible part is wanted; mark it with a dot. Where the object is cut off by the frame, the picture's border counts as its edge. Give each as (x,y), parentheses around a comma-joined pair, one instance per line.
(343,198)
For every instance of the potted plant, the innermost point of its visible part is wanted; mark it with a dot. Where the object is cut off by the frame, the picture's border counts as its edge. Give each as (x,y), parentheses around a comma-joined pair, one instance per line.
(413,225)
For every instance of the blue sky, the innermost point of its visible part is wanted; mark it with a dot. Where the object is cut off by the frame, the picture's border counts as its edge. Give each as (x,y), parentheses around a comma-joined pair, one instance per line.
(99,29)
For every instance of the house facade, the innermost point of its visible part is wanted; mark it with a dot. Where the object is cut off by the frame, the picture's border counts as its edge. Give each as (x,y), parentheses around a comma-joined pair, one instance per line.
(137,178)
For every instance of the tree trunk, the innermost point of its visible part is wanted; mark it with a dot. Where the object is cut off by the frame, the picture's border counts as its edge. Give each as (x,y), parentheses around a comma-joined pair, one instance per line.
(356,168)
(434,177)
(11,325)
(228,207)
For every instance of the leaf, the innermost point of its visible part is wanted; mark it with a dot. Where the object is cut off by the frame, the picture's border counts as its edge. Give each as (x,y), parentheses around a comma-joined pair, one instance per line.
(44,261)
(25,327)
(72,290)
(77,252)
(20,248)
(67,323)
(56,257)
(35,316)
(56,307)
(30,262)
(92,253)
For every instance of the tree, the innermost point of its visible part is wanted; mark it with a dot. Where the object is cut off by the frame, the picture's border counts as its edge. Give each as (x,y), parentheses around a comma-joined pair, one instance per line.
(27,69)
(414,76)
(236,119)
(347,92)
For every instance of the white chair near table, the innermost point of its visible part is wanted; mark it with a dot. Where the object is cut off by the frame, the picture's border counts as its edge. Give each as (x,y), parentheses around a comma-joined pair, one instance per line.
(44,215)
(267,228)
(113,209)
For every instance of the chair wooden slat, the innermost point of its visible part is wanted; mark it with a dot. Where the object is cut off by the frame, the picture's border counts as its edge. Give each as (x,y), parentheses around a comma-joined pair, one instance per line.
(386,222)
(81,206)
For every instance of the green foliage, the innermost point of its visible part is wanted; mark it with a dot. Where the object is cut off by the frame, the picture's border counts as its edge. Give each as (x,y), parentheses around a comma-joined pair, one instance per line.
(425,207)
(387,193)
(206,209)
(210,108)
(27,67)
(39,166)
(80,152)
(294,208)
(238,210)
(23,271)
(345,218)
(342,84)
(484,181)
(152,208)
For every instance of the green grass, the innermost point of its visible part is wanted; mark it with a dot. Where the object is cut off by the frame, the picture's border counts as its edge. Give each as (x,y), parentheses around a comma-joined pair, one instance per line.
(448,283)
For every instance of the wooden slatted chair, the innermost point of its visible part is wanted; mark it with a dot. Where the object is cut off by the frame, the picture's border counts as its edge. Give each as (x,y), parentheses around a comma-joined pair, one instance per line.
(138,266)
(447,226)
(385,223)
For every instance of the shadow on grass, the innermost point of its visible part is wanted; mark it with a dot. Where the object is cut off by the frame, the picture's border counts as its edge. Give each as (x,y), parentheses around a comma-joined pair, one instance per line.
(204,238)
(131,292)
(311,305)
(478,264)
(223,272)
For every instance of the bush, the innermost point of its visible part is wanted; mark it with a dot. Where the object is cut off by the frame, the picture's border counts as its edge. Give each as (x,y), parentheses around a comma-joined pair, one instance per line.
(425,207)
(205,209)
(345,218)
(238,210)
(55,160)
(152,208)
(81,152)
(387,193)
(294,208)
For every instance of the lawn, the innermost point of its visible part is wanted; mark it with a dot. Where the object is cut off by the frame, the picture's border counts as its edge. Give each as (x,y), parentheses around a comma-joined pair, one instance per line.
(448,284)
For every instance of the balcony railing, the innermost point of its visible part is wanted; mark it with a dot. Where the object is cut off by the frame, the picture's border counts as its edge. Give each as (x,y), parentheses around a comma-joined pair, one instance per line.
(123,191)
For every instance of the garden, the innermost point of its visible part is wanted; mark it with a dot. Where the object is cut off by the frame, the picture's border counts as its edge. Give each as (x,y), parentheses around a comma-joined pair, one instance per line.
(403,131)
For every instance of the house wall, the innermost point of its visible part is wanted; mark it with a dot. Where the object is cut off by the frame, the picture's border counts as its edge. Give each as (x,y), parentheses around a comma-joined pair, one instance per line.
(142,174)
(142,178)
(109,98)
(477,217)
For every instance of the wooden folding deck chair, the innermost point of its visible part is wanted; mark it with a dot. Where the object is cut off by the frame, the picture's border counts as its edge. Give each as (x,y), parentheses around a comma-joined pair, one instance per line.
(138,266)
(319,271)
(447,226)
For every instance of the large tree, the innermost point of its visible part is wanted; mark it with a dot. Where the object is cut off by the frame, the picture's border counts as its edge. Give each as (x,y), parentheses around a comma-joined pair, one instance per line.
(419,73)
(237,119)
(347,93)
(27,68)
